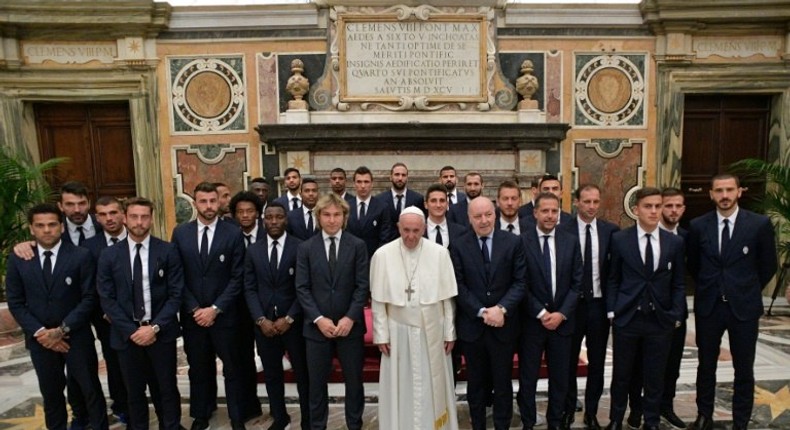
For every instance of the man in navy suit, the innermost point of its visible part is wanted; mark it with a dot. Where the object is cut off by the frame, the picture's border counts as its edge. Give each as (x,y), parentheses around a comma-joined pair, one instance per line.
(140,283)
(52,297)
(260,187)
(302,221)
(448,178)
(437,228)
(293,182)
(269,274)
(473,188)
(246,208)
(212,253)
(593,235)
(546,184)
(554,273)
(332,283)
(399,197)
(337,182)
(369,218)
(731,256)
(74,203)
(110,216)
(490,271)
(645,299)
(508,200)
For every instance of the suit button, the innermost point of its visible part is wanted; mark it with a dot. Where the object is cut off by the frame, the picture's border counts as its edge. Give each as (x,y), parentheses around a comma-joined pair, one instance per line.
(488,293)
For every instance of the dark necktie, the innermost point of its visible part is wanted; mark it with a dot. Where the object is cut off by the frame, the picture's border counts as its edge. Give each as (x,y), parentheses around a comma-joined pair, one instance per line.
(648,256)
(295,204)
(48,269)
(247,240)
(547,262)
(273,259)
(362,210)
(399,206)
(332,255)
(511,228)
(451,198)
(587,276)
(137,285)
(204,246)
(725,236)
(486,257)
(309,221)
(114,240)
(81,231)
(439,239)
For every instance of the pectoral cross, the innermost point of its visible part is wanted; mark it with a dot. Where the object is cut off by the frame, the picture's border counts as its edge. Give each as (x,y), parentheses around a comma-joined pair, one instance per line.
(408,291)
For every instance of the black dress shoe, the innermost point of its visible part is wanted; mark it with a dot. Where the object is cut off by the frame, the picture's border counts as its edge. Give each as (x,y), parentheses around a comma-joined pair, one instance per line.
(668,415)
(200,424)
(702,423)
(567,419)
(237,425)
(591,422)
(615,426)
(647,427)
(634,420)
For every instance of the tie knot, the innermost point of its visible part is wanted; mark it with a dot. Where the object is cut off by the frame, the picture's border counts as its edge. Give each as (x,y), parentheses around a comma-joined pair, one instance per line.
(483,239)
(399,196)
(47,254)
(309,212)
(546,236)
(510,227)
(114,240)
(726,222)
(274,243)
(589,227)
(138,246)
(332,239)
(80,228)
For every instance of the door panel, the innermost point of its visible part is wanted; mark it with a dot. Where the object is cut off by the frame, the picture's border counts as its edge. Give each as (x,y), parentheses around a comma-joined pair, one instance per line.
(719,130)
(98,140)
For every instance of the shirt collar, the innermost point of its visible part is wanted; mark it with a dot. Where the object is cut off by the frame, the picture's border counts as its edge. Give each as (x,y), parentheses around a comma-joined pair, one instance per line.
(86,226)
(54,249)
(326,236)
(432,225)
(146,244)
(211,226)
(253,232)
(108,237)
(366,201)
(665,228)
(641,232)
(732,216)
(280,240)
(541,233)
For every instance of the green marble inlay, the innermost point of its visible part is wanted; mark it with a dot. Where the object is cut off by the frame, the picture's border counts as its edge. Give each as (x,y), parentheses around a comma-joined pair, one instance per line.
(609,146)
(183,210)
(210,152)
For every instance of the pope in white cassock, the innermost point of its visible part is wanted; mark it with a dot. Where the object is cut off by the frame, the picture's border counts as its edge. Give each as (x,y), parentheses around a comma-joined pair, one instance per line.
(413,286)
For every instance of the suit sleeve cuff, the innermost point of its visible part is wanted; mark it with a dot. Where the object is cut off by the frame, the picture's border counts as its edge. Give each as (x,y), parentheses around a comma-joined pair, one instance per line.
(541,313)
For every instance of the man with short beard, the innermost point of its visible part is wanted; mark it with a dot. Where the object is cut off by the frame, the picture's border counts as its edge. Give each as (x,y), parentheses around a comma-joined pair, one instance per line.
(369,217)
(508,200)
(143,310)
(399,197)
(212,253)
(224,200)
(302,221)
(260,187)
(293,182)
(473,186)
(448,178)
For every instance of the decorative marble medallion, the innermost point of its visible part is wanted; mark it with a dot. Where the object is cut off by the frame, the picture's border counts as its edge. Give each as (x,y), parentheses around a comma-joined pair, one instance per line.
(610,90)
(207,95)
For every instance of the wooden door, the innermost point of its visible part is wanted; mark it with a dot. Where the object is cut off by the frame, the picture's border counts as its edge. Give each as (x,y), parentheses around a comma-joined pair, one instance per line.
(97,138)
(719,130)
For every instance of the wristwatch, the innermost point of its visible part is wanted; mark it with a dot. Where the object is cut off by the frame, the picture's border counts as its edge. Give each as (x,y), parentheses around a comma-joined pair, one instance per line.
(504,311)
(288,319)
(216,309)
(64,329)
(155,328)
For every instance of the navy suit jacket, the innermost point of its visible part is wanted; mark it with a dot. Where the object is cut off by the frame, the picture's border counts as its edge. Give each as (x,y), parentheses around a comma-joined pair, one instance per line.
(70,300)
(284,200)
(459,213)
(605,231)
(568,275)
(166,279)
(504,285)
(219,282)
(528,222)
(412,198)
(527,211)
(297,226)
(344,294)
(267,291)
(748,264)
(375,229)
(628,280)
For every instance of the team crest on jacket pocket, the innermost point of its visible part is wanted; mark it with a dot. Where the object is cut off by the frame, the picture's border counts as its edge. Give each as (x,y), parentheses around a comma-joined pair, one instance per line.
(161,273)
(68,280)
(745,250)
(222,258)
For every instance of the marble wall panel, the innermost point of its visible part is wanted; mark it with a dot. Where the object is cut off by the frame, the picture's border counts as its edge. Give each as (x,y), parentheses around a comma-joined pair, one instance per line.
(193,164)
(610,90)
(553,81)
(207,95)
(268,101)
(616,166)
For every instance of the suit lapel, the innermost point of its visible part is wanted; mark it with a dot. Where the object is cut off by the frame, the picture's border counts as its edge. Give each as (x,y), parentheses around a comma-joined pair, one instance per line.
(126,262)
(64,256)
(712,230)
(635,257)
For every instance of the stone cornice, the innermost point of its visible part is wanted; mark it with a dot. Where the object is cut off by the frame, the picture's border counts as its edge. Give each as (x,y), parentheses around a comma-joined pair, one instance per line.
(244,18)
(572,15)
(723,16)
(94,20)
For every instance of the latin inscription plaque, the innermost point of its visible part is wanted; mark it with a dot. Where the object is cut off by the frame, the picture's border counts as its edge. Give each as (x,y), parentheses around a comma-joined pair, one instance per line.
(385,59)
